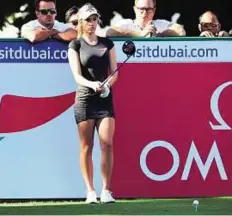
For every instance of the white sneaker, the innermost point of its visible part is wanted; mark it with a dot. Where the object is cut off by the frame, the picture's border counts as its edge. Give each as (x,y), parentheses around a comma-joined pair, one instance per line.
(91,197)
(106,197)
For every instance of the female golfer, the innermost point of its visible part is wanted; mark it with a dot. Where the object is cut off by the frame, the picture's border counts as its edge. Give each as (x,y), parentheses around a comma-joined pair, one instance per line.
(91,58)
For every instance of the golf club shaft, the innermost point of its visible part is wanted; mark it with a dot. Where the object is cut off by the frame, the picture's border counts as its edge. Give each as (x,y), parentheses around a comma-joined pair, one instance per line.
(113,73)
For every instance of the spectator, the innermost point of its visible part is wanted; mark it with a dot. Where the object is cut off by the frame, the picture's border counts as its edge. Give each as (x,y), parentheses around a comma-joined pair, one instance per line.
(230,33)
(71,17)
(45,26)
(144,25)
(209,26)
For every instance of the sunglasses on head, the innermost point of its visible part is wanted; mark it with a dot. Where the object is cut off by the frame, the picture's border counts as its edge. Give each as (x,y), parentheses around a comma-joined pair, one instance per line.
(52,11)
(74,22)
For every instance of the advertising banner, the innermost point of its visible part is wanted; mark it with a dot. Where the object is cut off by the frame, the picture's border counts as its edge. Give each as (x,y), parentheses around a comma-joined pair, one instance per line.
(173,121)
(39,145)
(173,130)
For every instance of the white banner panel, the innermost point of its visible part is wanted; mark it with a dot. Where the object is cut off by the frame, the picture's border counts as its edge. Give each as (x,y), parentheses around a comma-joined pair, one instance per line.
(178,51)
(39,147)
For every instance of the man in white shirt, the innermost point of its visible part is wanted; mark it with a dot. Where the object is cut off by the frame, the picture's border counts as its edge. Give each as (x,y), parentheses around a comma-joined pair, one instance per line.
(45,26)
(144,25)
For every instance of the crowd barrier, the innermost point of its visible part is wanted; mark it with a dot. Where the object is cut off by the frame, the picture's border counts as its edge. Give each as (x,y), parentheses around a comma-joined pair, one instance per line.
(173,121)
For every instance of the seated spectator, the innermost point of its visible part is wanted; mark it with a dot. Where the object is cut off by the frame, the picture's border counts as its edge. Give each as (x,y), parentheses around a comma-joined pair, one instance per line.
(45,26)
(230,33)
(144,25)
(209,26)
(71,17)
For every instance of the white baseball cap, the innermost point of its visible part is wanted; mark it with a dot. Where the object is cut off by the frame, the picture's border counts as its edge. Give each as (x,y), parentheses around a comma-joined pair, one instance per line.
(86,11)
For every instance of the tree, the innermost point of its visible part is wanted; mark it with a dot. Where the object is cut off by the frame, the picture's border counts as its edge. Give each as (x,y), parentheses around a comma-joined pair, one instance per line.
(189,10)
(13,6)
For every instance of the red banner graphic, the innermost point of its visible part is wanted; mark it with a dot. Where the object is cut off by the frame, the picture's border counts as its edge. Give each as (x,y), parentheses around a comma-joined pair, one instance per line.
(173,130)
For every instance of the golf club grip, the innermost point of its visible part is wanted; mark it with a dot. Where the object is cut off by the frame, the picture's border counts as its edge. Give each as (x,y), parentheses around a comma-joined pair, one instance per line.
(113,73)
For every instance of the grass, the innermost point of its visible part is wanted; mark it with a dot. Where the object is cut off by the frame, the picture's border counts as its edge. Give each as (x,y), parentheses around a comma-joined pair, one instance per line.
(208,206)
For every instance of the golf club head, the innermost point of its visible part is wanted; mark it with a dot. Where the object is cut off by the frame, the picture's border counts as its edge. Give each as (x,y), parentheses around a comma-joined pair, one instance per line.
(129,48)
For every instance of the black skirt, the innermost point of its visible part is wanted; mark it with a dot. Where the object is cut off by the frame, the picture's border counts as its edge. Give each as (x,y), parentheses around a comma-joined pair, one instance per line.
(91,106)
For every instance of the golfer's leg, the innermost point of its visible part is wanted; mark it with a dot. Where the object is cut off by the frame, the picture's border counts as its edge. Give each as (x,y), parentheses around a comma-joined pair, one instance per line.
(86,134)
(105,129)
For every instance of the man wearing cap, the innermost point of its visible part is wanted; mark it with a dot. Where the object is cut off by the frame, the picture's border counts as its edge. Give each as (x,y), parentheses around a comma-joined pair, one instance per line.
(45,26)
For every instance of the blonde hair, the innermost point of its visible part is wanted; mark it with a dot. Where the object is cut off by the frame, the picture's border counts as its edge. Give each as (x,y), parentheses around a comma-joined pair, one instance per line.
(79,28)
(80,24)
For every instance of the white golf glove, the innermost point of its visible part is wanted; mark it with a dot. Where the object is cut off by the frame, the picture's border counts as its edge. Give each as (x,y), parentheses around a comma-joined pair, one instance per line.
(106,91)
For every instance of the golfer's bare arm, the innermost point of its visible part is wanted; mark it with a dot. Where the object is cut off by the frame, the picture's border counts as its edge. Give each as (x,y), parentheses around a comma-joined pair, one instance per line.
(113,66)
(74,62)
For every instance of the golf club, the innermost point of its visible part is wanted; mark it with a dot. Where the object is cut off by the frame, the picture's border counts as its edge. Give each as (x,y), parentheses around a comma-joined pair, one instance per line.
(129,49)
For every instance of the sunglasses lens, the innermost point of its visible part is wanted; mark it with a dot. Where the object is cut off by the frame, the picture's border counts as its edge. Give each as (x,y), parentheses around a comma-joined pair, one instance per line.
(75,23)
(52,11)
(44,12)
(47,11)
(148,9)
(207,25)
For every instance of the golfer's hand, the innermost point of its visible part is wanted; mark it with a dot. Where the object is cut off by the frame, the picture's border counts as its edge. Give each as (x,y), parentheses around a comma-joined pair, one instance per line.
(105,91)
(96,86)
